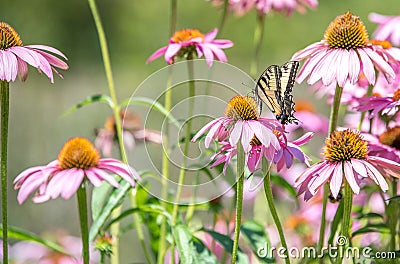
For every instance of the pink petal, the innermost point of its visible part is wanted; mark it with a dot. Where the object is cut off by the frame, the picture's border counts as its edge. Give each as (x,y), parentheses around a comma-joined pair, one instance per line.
(336,180)
(53,60)
(171,51)
(236,133)
(377,176)
(157,54)
(350,177)
(22,70)
(47,48)
(76,178)
(210,35)
(29,185)
(381,64)
(359,167)
(368,66)
(105,176)
(323,176)
(303,139)
(92,177)
(354,66)
(208,54)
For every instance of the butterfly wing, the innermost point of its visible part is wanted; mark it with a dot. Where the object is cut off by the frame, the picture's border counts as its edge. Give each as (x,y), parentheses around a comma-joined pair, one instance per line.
(268,89)
(287,80)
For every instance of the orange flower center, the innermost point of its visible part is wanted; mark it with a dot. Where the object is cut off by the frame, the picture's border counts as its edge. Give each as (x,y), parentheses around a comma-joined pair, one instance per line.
(187,35)
(242,108)
(78,153)
(391,137)
(8,37)
(304,105)
(396,95)
(345,145)
(383,43)
(346,32)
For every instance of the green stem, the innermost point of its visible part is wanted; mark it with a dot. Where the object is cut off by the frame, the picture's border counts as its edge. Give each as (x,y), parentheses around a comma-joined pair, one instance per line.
(224,16)
(137,223)
(258,39)
(5,106)
(347,205)
(393,231)
(186,141)
(116,109)
(333,120)
(271,204)
(239,199)
(83,219)
(369,92)
(165,158)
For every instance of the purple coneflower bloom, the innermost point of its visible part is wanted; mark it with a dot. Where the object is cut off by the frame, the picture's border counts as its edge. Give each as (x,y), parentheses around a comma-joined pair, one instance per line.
(346,157)
(78,158)
(388,105)
(242,122)
(388,27)
(387,145)
(290,150)
(240,7)
(344,54)
(14,57)
(132,130)
(186,42)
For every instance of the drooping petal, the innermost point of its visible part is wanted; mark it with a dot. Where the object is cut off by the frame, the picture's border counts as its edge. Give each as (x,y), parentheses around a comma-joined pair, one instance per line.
(171,51)
(350,177)
(74,183)
(156,54)
(336,180)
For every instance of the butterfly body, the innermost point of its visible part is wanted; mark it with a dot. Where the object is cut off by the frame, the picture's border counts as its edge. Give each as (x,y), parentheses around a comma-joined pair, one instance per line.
(275,87)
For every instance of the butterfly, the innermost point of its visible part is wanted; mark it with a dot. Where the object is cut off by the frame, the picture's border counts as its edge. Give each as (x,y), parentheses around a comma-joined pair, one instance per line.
(275,87)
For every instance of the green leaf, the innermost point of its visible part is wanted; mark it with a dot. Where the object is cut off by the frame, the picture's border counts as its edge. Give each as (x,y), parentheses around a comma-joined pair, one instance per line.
(152,208)
(370,215)
(335,223)
(153,105)
(116,198)
(372,227)
(24,235)
(89,100)
(184,243)
(227,243)
(280,181)
(258,239)
(202,253)
(99,196)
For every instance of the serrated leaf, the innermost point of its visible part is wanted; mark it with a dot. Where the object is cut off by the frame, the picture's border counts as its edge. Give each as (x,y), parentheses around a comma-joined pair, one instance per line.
(115,199)
(24,235)
(153,105)
(89,100)
(184,243)
(99,196)
(258,239)
(227,243)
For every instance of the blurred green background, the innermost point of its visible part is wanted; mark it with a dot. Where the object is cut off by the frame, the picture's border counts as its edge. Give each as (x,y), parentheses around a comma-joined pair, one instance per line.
(134,29)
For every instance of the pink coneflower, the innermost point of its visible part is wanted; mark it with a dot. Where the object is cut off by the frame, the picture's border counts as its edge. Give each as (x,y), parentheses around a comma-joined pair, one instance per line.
(388,27)
(241,122)
(132,130)
(185,43)
(344,54)
(387,145)
(285,6)
(240,7)
(78,158)
(284,157)
(14,57)
(388,105)
(346,157)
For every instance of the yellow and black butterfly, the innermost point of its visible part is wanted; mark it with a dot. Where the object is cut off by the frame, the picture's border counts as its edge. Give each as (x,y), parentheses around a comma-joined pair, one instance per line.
(274,88)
